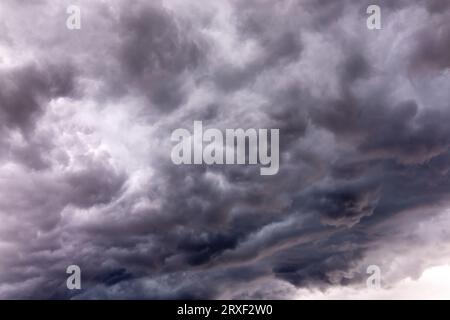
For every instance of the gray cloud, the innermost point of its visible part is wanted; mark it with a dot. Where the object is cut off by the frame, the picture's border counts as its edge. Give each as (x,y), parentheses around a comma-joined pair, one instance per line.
(86,117)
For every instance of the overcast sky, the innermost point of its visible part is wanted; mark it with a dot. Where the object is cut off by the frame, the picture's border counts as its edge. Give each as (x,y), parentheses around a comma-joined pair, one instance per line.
(85,171)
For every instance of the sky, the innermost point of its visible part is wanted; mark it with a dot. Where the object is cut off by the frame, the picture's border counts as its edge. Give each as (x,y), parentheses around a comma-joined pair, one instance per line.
(86,177)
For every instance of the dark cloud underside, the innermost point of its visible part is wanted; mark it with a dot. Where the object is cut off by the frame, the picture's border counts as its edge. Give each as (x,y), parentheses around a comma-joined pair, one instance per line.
(85,123)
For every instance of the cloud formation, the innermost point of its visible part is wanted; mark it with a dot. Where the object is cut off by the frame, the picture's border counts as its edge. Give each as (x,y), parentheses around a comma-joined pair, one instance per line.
(85,170)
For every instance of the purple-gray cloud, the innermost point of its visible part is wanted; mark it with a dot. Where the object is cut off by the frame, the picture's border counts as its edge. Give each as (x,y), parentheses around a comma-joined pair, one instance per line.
(85,122)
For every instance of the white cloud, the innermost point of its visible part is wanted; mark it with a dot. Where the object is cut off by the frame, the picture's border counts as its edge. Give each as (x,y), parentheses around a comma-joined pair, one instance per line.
(434,283)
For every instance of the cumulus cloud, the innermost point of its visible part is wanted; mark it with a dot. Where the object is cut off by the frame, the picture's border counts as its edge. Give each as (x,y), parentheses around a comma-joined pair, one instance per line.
(85,170)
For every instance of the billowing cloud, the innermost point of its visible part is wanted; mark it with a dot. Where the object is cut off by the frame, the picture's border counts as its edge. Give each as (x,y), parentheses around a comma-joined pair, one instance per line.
(86,176)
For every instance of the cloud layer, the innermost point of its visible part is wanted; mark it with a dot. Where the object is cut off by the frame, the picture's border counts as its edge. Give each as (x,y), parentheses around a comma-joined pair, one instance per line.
(85,170)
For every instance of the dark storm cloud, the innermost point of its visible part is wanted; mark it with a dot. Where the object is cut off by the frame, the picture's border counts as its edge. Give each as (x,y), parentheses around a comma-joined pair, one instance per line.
(432,48)
(437,6)
(389,132)
(343,205)
(26,89)
(280,45)
(95,185)
(156,51)
(86,176)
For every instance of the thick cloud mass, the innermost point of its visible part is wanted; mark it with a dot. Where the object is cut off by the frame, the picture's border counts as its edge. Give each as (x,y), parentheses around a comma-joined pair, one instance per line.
(85,171)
